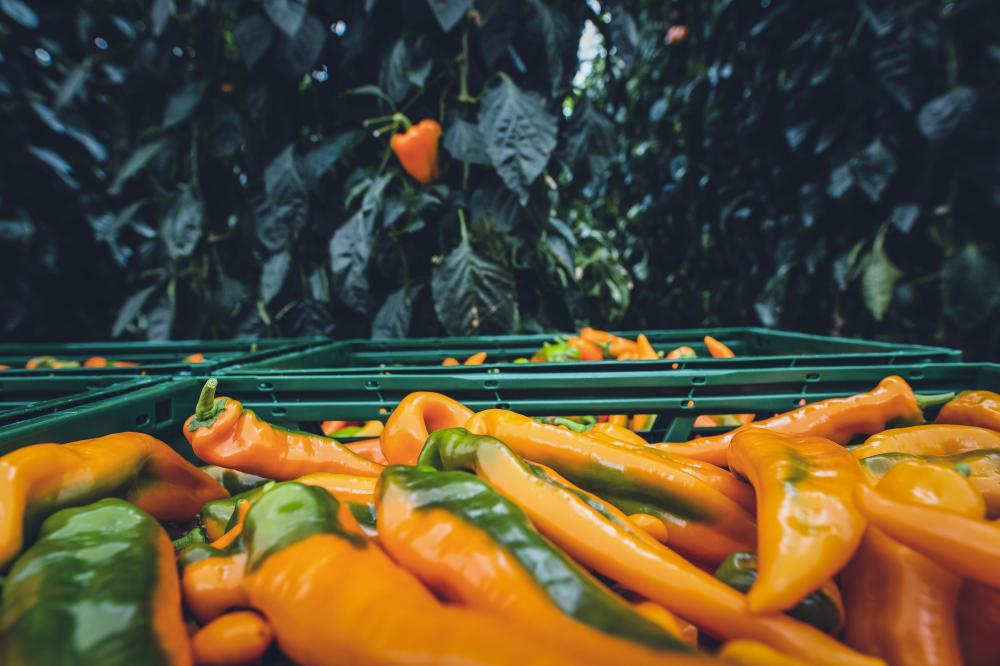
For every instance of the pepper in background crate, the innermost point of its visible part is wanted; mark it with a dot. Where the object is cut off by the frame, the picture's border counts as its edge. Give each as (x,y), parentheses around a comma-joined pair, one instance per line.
(223,433)
(99,587)
(43,478)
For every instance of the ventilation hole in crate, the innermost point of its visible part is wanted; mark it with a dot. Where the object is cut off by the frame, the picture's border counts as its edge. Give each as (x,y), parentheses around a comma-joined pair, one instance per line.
(371,384)
(503,405)
(491,384)
(698,380)
(163,410)
(265,386)
(278,411)
(916,374)
(141,420)
(812,376)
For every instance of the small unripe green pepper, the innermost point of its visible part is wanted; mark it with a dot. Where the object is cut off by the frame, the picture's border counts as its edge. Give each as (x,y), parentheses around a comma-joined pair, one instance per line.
(822,609)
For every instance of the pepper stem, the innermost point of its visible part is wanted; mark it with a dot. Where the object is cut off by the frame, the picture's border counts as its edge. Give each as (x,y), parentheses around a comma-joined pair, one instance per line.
(933,399)
(206,401)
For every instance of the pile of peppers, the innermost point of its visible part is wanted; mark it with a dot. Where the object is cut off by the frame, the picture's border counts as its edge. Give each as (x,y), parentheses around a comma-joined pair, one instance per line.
(53,363)
(847,531)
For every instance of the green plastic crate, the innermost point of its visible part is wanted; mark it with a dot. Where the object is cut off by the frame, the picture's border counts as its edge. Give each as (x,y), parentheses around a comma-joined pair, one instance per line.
(23,398)
(155,358)
(677,398)
(754,348)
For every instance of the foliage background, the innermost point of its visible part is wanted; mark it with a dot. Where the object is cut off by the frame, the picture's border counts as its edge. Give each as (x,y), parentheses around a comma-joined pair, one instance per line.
(208,168)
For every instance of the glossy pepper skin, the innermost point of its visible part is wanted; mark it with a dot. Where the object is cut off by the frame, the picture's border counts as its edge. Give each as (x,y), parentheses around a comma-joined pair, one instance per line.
(99,586)
(601,538)
(222,433)
(417,150)
(613,345)
(929,440)
(753,653)
(807,525)
(414,418)
(702,522)
(589,351)
(41,479)
(900,604)
(974,408)
(233,639)
(717,349)
(961,541)
(314,577)
(978,623)
(981,467)
(823,608)
(472,546)
(892,403)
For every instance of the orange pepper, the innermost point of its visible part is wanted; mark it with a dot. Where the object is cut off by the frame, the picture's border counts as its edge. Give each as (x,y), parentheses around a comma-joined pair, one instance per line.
(589,351)
(929,440)
(978,623)
(974,408)
(601,538)
(717,349)
(900,605)
(417,150)
(808,527)
(414,418)
(370,449)
(96,362)
(39,480)
(450,361)
(196,357)
(330,427)
(753,653)
(961,541)
(476,359)
(702,521)
(223,433)
(613,344)
(839,419)
(233,639)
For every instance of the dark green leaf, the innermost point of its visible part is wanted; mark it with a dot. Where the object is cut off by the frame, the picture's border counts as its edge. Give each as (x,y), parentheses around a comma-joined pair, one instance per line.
(182,103)
(591,140)
(130,310)
(557,32)
(624,34)
(253,35)
(159,14)
(135,163)
(20,12)
(57,163)
(181,228)
(286,197)
(272,275)
(969,285)
(497,204)
(904,217)
(49,117)
(449,12)
(303,49)
(472,294)
(520,135)
(288,15)
(350,252)
(464,142)
(944,116)
(393,319)
(879,278)
(160,318)
(71,86)
(324,155)
(394,80)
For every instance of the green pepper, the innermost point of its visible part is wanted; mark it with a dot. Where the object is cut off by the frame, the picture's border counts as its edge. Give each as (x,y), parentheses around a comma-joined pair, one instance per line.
(215,517)
(99,586)
(823,608)
(544,583)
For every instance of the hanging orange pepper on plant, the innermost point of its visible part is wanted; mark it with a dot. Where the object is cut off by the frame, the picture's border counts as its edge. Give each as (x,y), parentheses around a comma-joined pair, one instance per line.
(807,525)
(839,419)
(417,150)
(223,433)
